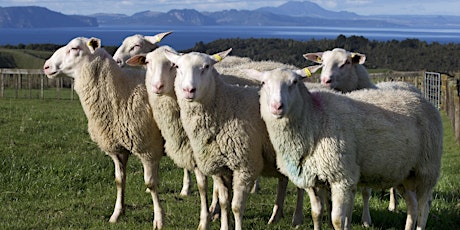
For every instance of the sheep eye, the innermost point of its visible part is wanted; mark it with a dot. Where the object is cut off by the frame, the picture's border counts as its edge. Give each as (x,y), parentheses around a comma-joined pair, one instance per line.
(344,64)
(134,47)
(206,66)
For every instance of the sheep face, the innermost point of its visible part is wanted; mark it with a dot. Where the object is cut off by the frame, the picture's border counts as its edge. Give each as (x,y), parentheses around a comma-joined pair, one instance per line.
(338,68)
(66,60)
(195,73)
(137,44)
(160,74)
(280,88)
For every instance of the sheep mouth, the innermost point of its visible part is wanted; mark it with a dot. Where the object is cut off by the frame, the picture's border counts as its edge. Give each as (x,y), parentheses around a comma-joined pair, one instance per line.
(189,97)
(52,74)
(278,113)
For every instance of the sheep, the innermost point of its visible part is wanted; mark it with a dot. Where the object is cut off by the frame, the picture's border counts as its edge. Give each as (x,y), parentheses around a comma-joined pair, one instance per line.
(367,137)
(160,75)
(140,44)
(119,117)
(344,71)
(228,138)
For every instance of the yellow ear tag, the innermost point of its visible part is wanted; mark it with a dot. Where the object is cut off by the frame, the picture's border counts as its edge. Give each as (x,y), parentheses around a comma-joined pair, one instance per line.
(217,57)
(318,59)
(353,55)
(158,38)
(307,72)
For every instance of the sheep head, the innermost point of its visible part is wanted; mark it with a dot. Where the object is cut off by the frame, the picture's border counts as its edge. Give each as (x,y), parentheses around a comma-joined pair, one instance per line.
(137,44)
(66,60)
(338,68)
(280,89)
(195,73)
(160,73)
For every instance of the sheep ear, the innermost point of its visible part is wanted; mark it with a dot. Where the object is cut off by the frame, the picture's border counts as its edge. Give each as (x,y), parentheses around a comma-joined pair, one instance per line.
(314,57)
(137,60)
(157,38)
(253,74)
(172,56)
(308,71)
(220,56)
(358,58)
(93,44)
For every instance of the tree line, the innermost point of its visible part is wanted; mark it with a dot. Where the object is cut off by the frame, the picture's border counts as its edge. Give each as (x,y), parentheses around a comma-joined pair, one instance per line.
(404,55)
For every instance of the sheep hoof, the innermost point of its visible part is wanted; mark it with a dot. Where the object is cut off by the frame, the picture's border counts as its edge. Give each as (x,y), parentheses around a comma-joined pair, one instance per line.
(366,224)
(185,192)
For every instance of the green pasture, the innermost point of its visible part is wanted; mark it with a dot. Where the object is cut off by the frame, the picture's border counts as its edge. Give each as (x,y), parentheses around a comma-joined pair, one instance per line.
(52,176)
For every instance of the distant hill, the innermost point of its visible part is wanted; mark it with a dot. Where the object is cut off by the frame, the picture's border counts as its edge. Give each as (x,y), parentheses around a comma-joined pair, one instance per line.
(292,13)
(40,17)
(308,9)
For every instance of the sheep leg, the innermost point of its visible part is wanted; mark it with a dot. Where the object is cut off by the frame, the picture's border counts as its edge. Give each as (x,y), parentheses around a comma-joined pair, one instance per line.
(366,216)
(393,199)
(412,207)
(186,183)
(202,184)
(256,186)
(297,218)
(214,209)
(279,202)
(317,206)
(151,181)
(342,206)
(223,200)
(120,161)
(424,203)
(241,191)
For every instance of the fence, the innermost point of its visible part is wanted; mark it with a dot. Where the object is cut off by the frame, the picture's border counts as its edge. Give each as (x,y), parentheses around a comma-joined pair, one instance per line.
(33,83)
(443,91)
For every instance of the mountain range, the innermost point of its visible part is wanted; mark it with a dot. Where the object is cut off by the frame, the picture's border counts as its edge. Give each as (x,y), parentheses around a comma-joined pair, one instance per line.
(292,13)
(39,17)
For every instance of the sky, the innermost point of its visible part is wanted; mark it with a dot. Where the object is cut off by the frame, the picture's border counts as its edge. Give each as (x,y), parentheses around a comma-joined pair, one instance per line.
(129,7)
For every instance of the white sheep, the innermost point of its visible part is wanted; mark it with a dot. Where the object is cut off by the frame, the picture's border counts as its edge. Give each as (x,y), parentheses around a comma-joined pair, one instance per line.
(344,71)
(137,44)
(228,137)
(140,44)
(119,117)
(160,75)
(368,137)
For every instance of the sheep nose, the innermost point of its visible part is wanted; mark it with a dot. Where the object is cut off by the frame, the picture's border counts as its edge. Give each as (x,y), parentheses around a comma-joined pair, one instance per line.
(119,62)
(189,90)
(277,108)
(277,105)
(158,87)
(326,81)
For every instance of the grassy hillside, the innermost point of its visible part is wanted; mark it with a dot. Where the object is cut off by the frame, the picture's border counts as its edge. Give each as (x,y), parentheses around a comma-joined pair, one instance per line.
(23,58)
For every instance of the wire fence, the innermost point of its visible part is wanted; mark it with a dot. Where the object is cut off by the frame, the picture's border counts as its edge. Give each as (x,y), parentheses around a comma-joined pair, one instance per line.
(34,84)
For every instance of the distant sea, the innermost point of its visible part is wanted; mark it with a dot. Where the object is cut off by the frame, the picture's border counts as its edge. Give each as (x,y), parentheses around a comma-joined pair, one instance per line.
(185,37)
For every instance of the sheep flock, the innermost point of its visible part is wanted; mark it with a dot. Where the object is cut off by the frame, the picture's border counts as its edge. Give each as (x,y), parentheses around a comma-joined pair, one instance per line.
(234,119)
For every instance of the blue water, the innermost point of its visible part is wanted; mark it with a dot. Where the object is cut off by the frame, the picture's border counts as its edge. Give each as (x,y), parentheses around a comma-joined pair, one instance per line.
(185,37)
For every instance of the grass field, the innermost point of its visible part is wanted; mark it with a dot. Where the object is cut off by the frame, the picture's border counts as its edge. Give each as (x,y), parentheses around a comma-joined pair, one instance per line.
(52,176)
